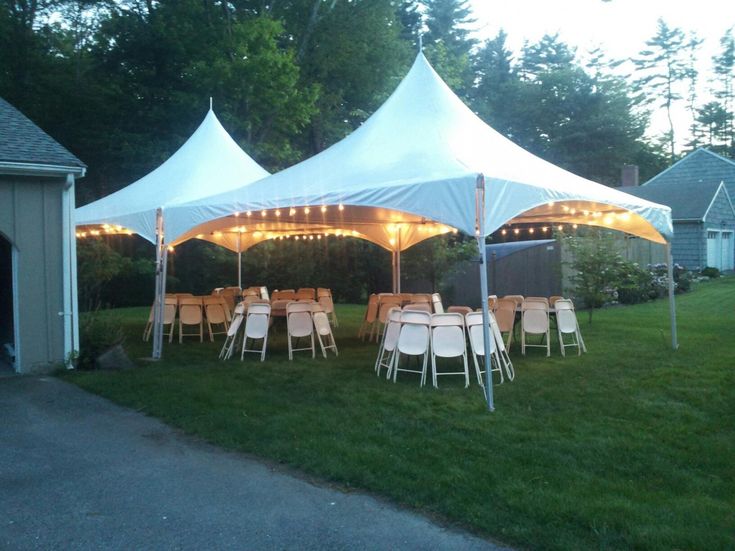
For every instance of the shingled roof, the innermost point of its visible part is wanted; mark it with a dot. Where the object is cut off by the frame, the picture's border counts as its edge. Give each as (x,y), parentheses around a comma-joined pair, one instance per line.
(21,141)
(689,185)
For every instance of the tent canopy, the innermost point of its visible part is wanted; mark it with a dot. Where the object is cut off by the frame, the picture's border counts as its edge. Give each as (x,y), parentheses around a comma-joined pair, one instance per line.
(415,162)
(209,162)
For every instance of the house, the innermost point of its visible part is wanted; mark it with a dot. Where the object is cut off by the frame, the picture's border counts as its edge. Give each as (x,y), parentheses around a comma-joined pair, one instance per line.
(38,306)
(700,189)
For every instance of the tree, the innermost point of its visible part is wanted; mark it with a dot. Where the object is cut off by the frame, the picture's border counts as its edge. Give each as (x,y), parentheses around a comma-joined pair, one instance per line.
(724,69)
(662,69)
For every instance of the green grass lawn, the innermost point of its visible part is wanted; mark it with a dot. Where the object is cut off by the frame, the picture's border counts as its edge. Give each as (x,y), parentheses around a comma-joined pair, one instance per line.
(629,446)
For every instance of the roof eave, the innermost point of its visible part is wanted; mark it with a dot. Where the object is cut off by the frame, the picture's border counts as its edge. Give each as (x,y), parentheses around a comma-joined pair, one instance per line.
(38,169)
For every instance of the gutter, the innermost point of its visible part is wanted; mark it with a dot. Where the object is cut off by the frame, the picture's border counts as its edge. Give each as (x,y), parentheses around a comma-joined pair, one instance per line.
(38,169)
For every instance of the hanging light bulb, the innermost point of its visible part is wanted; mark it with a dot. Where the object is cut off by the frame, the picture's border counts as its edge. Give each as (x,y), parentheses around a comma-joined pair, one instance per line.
(248,213)
(341,207)
(307,210)
(292,211)
(262,213)
(516,231)
(574,226)
(237,214)
(324,208)
(560,227)
(311,238)
(504,231)
(530,230)
(544,229)
(278,213)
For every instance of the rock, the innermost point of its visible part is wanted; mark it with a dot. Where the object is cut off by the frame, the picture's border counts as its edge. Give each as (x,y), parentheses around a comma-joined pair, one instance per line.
(114,358)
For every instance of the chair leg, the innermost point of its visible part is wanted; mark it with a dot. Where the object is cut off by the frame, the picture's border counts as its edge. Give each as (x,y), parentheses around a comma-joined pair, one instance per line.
(548,343)
(466,370)
(561,342)
(433,370)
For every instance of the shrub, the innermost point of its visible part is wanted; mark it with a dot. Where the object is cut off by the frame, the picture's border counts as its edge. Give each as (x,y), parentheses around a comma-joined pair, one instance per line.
(636,285)
(98,332)
(711,272)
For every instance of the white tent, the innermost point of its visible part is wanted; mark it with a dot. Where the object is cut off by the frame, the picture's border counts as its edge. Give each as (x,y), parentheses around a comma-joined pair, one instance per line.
(417,159)
(208,163)
(424,158)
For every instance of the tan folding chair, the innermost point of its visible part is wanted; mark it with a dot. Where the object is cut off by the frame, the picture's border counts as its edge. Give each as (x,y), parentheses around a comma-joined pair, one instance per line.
(323,330)
(567,324)
(537,299)
(190,315)
(492,302)
(285,294)
(323,292)
(436,302)
(306,293)
(418,307)
(464,310)
(553,299)
(257,322)
(371,314)
(535,321)
(299,324)
(421,297)
(505,317)
(215,314)
(448,341)
(386,303)
(169,317)
(325,301)
(518,299)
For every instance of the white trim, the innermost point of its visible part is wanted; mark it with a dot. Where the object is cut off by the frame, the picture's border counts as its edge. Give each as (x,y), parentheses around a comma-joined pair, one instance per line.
(714,198)
(37,169)
(16,307)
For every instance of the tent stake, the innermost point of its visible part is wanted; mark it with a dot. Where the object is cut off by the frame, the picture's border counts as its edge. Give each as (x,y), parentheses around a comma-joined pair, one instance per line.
(672,302)
(480,230)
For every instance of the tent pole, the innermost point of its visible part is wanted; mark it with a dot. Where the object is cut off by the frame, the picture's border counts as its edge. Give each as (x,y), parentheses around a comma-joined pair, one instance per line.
(239,260)
(672,302)
(393,271)
(480,231)
(398,263)
(160,288)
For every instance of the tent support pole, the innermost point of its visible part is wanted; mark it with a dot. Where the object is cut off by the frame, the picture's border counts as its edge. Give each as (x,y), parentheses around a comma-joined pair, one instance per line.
(239,260)
(480,234)
(393,271)
(158,301)
(398,263)
(672,302)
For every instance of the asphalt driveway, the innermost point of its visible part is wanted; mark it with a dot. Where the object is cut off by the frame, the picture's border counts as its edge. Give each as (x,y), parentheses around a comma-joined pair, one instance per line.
(78,472)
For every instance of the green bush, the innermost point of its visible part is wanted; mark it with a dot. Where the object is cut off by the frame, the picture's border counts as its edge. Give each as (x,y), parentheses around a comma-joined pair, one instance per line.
(711,272)
(98,332)
(635,284)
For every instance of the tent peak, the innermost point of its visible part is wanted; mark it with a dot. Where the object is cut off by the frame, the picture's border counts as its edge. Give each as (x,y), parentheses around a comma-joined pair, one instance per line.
(210,103)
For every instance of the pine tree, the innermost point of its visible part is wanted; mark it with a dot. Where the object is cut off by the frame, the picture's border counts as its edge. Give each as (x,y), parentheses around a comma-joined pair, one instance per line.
(662,68)
(724,69)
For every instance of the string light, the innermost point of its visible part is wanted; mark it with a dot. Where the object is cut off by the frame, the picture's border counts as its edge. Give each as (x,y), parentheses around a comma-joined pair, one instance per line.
(516,231)
(324,208)
(170,249)
(248,213)
(296,237)
(307,210)
(530,230)
(319,236)
(504,231)
(341,207)
(311,238)
(574,226)
(237,214)
(560,227)
(262,213)
(544,229)
(292,211)
(278,213)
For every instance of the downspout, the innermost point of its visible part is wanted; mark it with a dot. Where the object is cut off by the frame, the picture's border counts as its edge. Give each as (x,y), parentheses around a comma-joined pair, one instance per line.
(70,308)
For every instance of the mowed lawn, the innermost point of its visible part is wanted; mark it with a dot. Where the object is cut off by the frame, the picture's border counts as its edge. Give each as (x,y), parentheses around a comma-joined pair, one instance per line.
(630,446)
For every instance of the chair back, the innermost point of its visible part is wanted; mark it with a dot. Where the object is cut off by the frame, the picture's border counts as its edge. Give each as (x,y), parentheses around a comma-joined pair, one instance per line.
(215,312)
(321,322)
(306,293)
(190,310)
(535,318)
(418,307)
(447,335)
(421,297)
(543,300)
(326,303)
(406,298)
(393,329)
(169,310)
(323,292)
(299,319)
(436,301)
(566,319)
(474,328)
(553,299)
(234,326)
(505,318)
(459,310)
(492,302)
(256,323)
(414,336)
(372,308)
(518,299)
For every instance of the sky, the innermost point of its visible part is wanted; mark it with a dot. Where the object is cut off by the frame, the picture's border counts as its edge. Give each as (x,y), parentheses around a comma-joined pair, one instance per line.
(619,27)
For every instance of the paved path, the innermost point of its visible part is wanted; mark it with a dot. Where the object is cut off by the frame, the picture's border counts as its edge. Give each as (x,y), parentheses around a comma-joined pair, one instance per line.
(78,472)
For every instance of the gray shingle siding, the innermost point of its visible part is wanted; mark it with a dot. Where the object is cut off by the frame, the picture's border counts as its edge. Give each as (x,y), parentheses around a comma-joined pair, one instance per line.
(689,246)
(700,166)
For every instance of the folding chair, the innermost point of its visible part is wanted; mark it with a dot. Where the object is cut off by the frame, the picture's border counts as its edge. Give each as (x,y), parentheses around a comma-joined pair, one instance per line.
(406,298)
(264,293)
(306,293)
(323,330)
(231,338)
(421,297)
(464,310)
(448,341)
(477,344)
(169,317)
(492,302)
(371,314)
(505,317)
(436,301)
(535,321)
(215,313)
(299,324)
(388,342)
(386,303)
(418,307)
(257,321)
(553,299)
(190,314)
(517,299)
(325,301)
(567,324)
(413,340)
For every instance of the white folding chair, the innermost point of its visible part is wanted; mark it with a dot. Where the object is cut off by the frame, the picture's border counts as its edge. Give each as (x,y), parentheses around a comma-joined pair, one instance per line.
(436,301)
(567,324)
(413,340)
(388,342)
(535,321)
(448,341)
(231,339)
(323,329)
(257,321)
(473,320)
(299,324)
